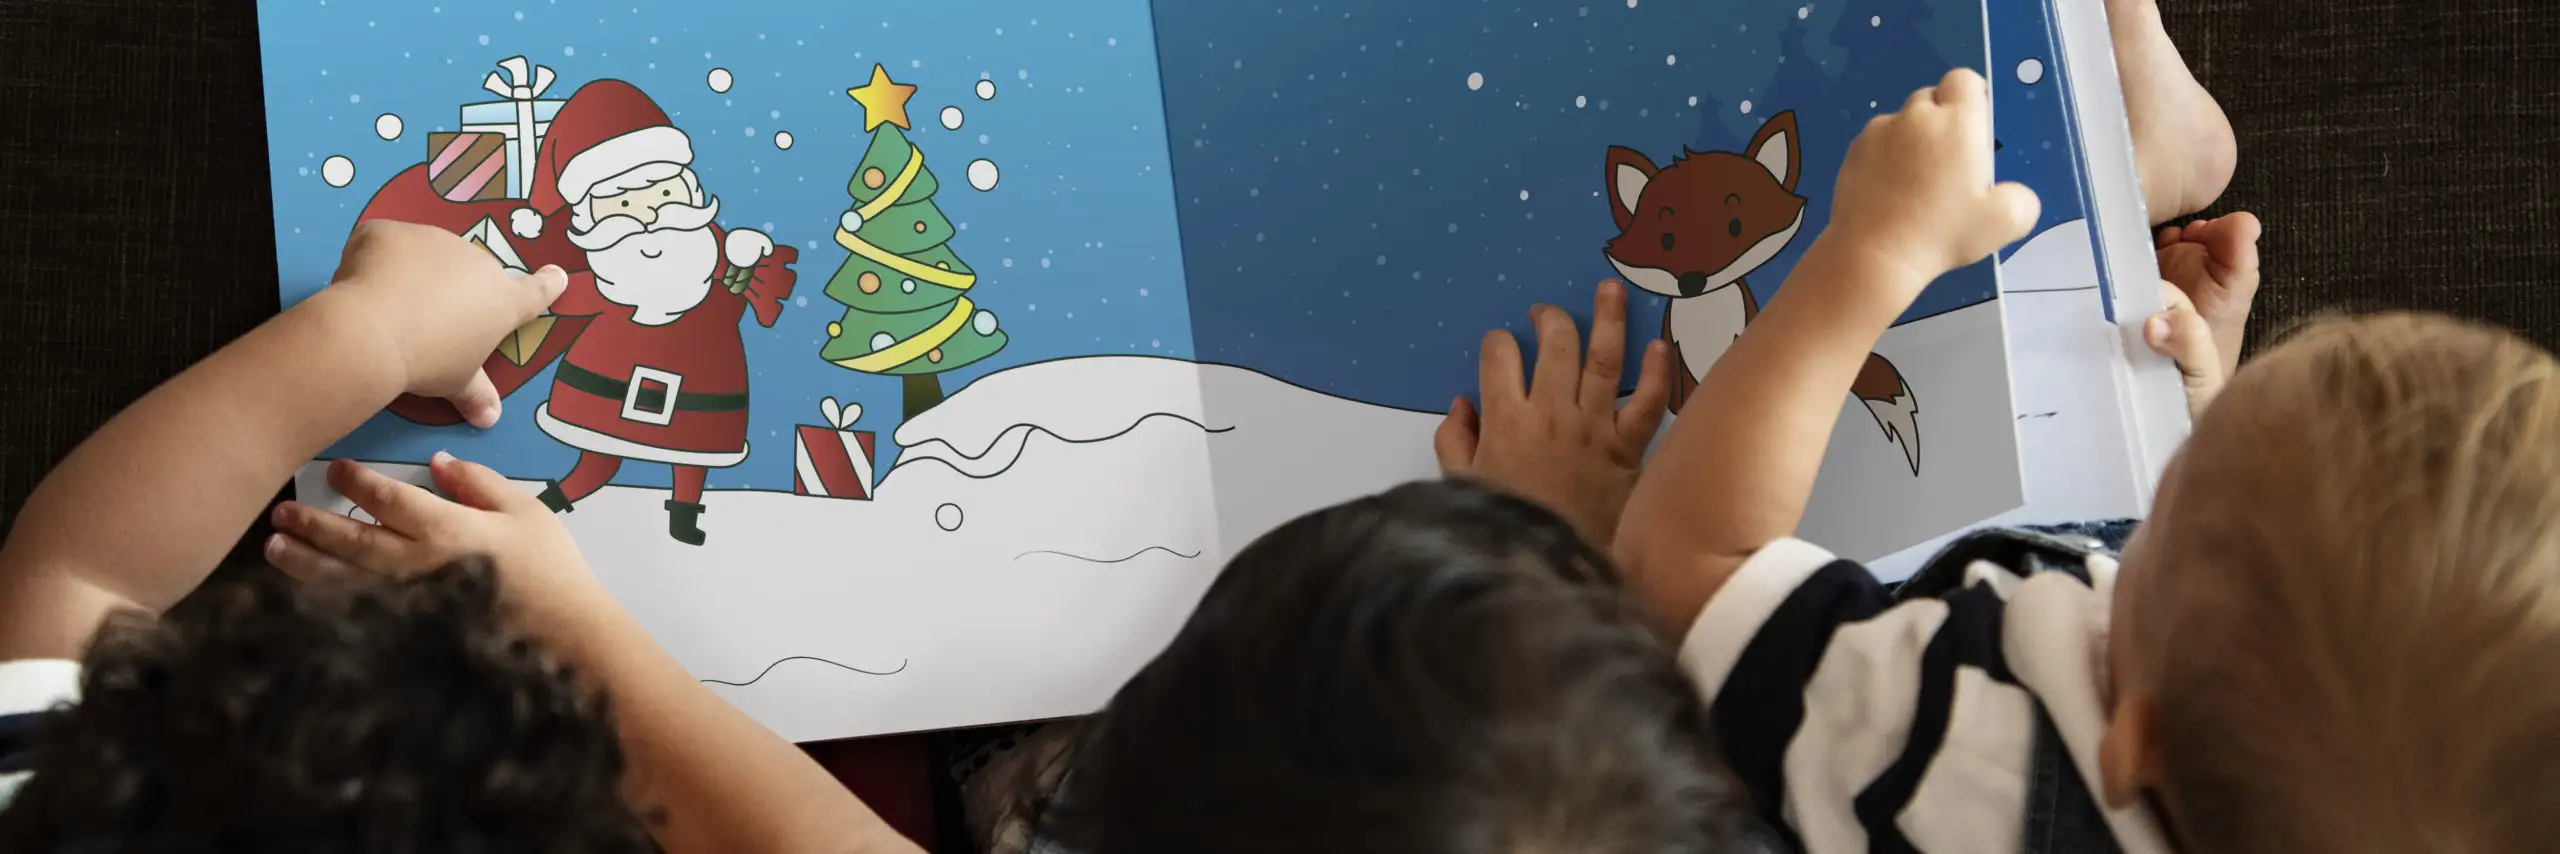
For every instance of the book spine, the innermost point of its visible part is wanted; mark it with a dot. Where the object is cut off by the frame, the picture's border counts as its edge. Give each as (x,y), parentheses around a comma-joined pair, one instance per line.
(2148,387)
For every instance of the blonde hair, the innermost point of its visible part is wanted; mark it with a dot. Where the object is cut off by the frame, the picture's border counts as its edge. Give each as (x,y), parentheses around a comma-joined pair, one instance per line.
(2355,637)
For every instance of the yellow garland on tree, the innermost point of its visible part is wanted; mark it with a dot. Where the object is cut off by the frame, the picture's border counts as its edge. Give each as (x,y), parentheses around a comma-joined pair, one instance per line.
(914,347)
(896,189)
(946,278)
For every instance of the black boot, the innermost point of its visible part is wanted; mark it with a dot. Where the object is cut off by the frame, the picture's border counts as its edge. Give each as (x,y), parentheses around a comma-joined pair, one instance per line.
(553,498)
(682,522)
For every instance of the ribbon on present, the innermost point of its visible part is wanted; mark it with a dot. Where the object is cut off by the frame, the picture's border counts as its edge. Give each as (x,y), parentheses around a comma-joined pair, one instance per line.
(833,460)
(522,85)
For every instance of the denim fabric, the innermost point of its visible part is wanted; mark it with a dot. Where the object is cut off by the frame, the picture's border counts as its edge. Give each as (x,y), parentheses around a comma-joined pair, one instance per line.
(2110,534)
(2062,817)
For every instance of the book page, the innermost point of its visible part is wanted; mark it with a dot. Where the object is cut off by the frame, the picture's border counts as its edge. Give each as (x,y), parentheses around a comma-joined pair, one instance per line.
(873,396)
(1364,190)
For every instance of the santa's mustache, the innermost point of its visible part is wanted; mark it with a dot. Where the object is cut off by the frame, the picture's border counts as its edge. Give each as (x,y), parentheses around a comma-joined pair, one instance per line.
(619,227)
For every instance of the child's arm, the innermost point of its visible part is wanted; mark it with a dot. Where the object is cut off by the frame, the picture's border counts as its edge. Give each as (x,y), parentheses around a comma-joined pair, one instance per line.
(1739,464)
(139,513)
(723,782)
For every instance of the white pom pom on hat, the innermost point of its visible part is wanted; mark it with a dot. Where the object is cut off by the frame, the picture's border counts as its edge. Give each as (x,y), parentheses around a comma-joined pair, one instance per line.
(525,222)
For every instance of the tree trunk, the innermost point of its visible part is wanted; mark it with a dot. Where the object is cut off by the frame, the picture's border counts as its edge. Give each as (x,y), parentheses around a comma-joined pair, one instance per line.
(924,391)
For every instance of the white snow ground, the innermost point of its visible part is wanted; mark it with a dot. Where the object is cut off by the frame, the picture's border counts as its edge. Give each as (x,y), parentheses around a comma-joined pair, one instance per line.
(1087,523)
(1082,542)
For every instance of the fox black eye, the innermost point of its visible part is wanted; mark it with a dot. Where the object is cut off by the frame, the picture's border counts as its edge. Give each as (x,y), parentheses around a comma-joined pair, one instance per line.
(1734,228)
(1666,241)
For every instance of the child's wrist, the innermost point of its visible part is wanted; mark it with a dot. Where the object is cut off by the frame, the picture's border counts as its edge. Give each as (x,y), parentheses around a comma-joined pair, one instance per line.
(360,342)
(1862,278)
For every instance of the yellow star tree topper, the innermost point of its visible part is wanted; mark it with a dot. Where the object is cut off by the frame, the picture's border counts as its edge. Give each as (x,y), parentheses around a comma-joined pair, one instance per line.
(883,101)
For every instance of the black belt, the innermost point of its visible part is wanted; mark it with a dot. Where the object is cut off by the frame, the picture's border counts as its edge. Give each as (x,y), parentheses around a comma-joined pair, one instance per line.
(648,399)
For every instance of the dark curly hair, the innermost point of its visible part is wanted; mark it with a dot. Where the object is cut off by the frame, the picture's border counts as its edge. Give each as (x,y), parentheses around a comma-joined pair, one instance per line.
(389,717)
(1434,670)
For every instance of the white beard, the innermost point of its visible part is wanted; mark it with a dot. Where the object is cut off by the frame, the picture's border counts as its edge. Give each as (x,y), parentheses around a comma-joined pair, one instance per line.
(659,274)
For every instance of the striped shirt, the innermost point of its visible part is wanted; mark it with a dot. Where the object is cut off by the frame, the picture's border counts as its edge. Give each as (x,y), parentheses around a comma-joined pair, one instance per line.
(1860,721)
(27,690)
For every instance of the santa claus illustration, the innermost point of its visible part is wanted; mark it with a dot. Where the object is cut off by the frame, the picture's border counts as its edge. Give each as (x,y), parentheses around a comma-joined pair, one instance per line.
(659,373)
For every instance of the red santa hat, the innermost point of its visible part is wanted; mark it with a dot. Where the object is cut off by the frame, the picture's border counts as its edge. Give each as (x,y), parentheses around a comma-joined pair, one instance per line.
(608,128)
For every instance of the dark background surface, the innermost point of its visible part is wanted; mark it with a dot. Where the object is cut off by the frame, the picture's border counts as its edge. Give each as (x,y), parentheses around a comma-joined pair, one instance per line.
(2400,153)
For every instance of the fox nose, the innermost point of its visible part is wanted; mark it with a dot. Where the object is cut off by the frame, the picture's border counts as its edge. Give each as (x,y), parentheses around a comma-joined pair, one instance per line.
(1693,284)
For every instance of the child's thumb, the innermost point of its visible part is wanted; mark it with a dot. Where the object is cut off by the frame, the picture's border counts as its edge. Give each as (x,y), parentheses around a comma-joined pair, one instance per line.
(540,288)
(2182,335)
(2009,209)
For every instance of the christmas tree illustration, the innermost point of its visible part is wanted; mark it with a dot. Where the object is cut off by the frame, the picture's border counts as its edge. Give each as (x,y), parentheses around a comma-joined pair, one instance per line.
(907,309)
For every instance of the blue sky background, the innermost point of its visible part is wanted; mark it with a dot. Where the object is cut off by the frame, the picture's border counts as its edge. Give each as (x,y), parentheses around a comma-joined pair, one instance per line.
(1350,207)
(1359,206)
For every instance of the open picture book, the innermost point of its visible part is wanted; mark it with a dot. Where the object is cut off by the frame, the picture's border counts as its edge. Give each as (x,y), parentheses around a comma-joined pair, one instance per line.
(921,365)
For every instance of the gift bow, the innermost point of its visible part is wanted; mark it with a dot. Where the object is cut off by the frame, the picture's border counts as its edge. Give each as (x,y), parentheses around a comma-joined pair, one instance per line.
(515,85)
(838,416)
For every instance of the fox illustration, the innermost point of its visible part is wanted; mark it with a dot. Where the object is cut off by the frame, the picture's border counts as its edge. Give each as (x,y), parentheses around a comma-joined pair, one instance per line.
(1693,229)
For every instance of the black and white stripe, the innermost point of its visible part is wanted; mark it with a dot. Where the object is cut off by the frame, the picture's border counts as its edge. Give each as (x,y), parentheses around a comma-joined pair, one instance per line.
(1862,719)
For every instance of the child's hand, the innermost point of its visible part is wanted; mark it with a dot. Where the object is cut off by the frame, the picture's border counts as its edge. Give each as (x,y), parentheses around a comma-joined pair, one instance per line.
(2215,262)
(441,304)
(1915,191)
(417,531)
(1563,441)
(2181,334)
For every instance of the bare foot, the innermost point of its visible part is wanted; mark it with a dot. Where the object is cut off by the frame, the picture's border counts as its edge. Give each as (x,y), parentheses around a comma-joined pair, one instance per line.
(2182,142)
(2215,262)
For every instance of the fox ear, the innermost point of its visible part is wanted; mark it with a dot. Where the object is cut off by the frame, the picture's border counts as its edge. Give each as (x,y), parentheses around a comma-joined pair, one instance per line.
(1774,148)
(1629,170)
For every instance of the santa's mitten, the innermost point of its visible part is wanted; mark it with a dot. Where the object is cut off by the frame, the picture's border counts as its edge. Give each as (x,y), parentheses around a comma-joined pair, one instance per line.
(744,247)
(771,284)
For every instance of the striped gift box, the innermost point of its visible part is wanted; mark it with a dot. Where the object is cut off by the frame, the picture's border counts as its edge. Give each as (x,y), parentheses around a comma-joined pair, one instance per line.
(833,460)
(467,167)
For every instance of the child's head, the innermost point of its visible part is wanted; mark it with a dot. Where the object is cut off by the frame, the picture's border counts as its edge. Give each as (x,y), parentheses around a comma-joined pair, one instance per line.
(2338,631)
(1435,669)
(397,717)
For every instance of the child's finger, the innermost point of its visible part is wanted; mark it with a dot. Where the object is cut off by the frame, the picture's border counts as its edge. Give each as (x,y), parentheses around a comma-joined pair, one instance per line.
(1642,416)
(1455,442)
(1498,378)
(478,401)
(338,537)
(476,486)
(1559,372)
(1959,86)
(305,563)
(1607,363)
(1923,96)
(2167,237)
(399,506)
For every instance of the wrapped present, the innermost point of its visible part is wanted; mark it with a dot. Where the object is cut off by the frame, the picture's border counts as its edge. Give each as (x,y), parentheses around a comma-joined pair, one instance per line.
(467,167)
(833,460)
(519,346)
(520,119)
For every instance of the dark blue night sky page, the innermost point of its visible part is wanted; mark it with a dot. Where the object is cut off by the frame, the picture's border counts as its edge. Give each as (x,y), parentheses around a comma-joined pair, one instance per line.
(1364,187)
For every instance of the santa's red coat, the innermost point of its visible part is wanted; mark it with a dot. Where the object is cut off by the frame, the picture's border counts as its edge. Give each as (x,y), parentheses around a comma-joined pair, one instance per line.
(611,394)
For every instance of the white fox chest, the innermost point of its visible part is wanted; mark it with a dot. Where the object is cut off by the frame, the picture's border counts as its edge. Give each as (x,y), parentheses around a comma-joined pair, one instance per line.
(1705,325)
